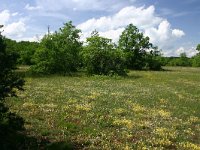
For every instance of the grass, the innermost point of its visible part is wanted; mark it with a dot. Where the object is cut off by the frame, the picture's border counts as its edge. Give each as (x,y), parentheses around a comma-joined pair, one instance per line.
(146,110)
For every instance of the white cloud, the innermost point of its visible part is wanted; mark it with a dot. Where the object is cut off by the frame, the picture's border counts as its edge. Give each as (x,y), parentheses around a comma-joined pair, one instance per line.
(180,50)
(15,14)
(5,16)
(12,29)
(163,35)
(112,26)
(112,34)
(53,5)
(189,51)
(82,5)
(141,17)
(15,29)
(28,7)
(146,19)
(159,34)
(158,29)
(178,33)
(35,38)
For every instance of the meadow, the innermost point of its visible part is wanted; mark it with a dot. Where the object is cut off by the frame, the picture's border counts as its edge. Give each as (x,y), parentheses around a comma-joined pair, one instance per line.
(145,110)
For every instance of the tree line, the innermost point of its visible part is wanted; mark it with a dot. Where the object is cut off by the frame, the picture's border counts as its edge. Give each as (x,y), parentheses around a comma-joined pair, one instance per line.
(62,52)
(10,123)
(182,60)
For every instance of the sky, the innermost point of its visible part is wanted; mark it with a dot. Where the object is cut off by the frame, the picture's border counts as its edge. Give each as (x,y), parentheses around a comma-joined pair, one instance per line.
(172,25)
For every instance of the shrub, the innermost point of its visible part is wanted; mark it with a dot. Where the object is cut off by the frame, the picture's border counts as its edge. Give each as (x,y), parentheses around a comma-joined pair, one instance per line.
(136,46)
(9,82)
(101,57)
(58,52)
(196,61)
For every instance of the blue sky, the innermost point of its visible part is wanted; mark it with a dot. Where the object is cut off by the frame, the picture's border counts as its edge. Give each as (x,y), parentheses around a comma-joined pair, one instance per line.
(172,25)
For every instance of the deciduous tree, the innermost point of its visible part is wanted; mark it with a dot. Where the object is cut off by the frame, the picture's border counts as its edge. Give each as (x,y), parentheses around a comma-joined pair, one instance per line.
(133,43)
(9,83)
(101,56)
(59,52)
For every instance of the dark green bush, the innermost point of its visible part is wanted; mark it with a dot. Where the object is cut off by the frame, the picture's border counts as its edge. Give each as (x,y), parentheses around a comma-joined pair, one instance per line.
(196,61)
(9,81)
(101,57)
(59,52)
(10,123)
(136,46)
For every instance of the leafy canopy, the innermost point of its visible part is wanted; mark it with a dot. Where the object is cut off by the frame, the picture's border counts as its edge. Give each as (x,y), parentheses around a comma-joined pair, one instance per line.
(198,48)
(9,81)
(196,58)
(101,56)
(136,46)
(59,52)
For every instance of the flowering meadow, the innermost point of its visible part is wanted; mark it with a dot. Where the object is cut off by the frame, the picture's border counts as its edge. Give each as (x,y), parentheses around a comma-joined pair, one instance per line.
(145,110)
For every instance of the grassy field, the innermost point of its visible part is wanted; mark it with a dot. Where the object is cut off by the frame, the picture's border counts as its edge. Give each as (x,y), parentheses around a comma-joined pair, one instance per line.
(146,110)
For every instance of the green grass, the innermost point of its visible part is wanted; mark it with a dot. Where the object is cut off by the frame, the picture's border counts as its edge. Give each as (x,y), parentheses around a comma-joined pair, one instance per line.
(146,110)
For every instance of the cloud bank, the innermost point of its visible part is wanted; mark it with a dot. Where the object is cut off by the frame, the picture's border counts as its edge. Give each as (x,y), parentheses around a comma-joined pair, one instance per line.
(12,28)
(115,16)
(82,5)
(157,28)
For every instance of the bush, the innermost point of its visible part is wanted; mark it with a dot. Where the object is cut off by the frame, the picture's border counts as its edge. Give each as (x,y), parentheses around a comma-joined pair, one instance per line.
(26,51)
(152,63)
(134,44)
(196,61)
(58,52)
(196,58)
(102,58)
(183,60)
(9,83)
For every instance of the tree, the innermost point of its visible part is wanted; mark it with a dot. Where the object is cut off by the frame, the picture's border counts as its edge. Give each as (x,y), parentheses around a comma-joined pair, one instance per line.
(101,56)
(26,51)
(184,60)
(198,48)
(59,52)
(196,61)
(196,58)
(9,83)
(134,45)
(152,59)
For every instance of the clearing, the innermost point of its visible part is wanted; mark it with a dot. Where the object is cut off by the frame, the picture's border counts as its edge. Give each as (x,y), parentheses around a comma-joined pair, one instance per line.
(146,110)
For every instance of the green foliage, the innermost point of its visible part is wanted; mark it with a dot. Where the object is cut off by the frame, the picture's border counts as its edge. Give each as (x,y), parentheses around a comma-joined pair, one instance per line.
(101,57)
(198,48)
(9,83)
(174,61)
(152,60)
(59,52)
(156,109)
(134,45)
(26,51)
(163,60)
(183,60)
(11,45)
(196,58)
(196,61)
